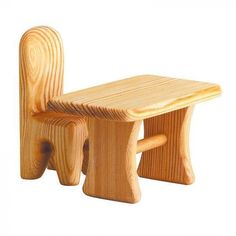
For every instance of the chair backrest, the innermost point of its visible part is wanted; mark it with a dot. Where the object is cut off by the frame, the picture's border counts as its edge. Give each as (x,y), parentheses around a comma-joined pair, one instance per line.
(41,69)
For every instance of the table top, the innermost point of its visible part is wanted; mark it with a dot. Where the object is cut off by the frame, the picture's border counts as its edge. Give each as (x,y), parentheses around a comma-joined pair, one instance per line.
(135,98)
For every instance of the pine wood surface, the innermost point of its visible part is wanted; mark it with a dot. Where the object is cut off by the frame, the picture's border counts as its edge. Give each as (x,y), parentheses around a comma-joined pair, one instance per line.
(170,162)
(112,166)
(41,68)
(135,98)
(142,146)
(151,142)
(39,72)
(46,136)
(65,134)
(53,127)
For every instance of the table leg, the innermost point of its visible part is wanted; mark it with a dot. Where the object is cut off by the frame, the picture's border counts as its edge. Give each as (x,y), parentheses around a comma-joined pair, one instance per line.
(112,167)
(171,161)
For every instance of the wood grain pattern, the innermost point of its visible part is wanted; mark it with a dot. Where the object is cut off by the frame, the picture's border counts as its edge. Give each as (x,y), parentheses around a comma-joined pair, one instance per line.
(51,164)
(142,145)
(170,162)
(64,135)
(135,98)
(115,112)
(85,157)
(41,78)
(112,169)
(41,69)
(45,135)
(151,142)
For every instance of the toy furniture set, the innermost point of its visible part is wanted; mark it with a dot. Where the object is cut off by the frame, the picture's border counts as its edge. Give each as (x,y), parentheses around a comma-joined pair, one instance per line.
(95,130)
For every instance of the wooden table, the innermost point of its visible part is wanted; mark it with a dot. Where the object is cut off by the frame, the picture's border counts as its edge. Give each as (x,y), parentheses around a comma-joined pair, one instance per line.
(115,112)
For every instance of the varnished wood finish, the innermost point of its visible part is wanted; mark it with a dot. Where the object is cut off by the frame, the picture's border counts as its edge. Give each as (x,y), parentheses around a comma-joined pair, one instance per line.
(51,164)
(64,135)
(41,69)
(135,98)
(112,169)
(151,142)
(142,145)
(45,135)
(170,162)
(86,157)
(164,105)
(41,78)
(115,111)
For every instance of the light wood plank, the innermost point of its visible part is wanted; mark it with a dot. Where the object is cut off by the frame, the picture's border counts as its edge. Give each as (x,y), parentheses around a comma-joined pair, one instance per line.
(135,98)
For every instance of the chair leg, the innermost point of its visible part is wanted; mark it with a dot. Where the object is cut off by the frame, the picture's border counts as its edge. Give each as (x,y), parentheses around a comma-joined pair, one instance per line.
(171,161)
(68,156)
(34,151)
(111,169)
(51,164)
(86,157)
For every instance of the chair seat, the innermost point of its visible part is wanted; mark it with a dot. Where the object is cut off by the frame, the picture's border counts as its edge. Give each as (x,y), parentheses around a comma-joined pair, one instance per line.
(134,98)
(59,119)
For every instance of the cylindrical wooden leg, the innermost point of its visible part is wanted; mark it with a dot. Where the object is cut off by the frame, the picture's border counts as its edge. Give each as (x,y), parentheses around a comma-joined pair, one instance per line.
(111,169)
(170,162)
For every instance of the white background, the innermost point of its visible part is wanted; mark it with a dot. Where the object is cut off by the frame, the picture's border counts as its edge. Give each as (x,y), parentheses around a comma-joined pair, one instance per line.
(110,40)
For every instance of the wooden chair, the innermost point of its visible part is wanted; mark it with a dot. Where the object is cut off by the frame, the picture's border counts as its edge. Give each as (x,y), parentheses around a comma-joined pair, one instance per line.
(47,138)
